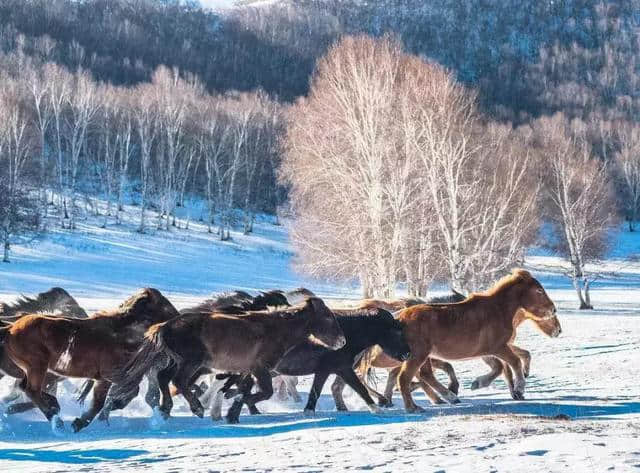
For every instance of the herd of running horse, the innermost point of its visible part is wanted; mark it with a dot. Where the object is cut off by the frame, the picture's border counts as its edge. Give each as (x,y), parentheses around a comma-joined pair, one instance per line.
(235,344)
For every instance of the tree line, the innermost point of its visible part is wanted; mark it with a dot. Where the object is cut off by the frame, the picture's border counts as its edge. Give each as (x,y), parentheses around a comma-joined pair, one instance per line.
(68,141)
(530,77)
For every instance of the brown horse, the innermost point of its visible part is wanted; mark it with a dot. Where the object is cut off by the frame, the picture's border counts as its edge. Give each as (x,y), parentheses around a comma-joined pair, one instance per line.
(482,325)
(95,348)
(251,343)
(375,358)
(55,301)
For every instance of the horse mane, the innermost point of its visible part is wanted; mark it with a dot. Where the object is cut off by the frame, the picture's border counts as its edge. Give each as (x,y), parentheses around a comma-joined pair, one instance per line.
(124,309)
(518,275)
(411,301)
(360,314)
(447,299)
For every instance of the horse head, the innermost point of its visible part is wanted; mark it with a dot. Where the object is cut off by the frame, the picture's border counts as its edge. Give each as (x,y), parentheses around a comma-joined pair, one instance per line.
(324,326)
(536,305)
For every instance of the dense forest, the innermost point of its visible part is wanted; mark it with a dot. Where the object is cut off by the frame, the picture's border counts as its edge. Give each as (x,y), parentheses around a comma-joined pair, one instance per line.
(176,100)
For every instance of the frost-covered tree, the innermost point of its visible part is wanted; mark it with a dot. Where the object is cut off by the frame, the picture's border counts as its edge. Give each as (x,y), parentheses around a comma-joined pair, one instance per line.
(580,198)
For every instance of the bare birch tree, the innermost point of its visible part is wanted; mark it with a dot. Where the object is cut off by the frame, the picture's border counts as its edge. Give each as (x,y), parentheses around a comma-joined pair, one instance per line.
(581,201)
(145,112)
(82,105)
(627,161)
(394,175)
(16,142)
(59,81)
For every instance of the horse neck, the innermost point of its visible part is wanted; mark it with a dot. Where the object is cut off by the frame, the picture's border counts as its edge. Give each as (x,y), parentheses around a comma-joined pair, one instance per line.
(359,332)
(295,328)
(508,299)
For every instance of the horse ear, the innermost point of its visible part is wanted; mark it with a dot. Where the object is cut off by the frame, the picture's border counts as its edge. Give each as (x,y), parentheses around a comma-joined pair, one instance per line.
(318,305)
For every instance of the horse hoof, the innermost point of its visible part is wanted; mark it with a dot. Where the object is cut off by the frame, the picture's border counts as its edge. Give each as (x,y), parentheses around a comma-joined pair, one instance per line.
(415,410)
(342,408)
(57,426)
(374,409)
(517,395)
(455,401)
(437,401)
(199,412)
(475,385)
(384,402)
(309,412)
(233,420)
(216,417)
(78,424)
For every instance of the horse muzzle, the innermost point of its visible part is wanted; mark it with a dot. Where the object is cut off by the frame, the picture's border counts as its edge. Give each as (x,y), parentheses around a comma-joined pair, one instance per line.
(339,343)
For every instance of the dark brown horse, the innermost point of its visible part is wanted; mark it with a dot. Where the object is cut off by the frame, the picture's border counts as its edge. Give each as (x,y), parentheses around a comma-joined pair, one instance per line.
(482,325)
(251,343)
(95,348)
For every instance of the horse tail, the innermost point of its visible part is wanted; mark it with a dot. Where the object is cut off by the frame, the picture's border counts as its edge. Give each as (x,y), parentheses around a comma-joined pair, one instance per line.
(153,354)
(362,366)
(84,391)
(4,332)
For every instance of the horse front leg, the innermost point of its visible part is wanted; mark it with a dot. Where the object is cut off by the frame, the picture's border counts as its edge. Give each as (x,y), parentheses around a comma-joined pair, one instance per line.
(507,355)
(316,389)
(152,397)
(265,391)
(408,370)
(32,386)
(525,356)
(100,390)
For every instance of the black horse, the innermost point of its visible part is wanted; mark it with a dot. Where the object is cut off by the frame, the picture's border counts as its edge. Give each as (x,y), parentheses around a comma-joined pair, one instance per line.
(385,400)
(362,328)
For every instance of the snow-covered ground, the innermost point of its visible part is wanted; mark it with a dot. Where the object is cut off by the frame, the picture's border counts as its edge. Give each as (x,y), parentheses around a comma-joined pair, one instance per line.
(590,373)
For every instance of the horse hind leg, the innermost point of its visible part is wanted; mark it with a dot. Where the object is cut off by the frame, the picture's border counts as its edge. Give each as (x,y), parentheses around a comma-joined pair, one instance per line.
(265,391)
(485,380)
(392,381)
(336,391)
(426,375)
(182,381)
(454,385)
(290,382)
